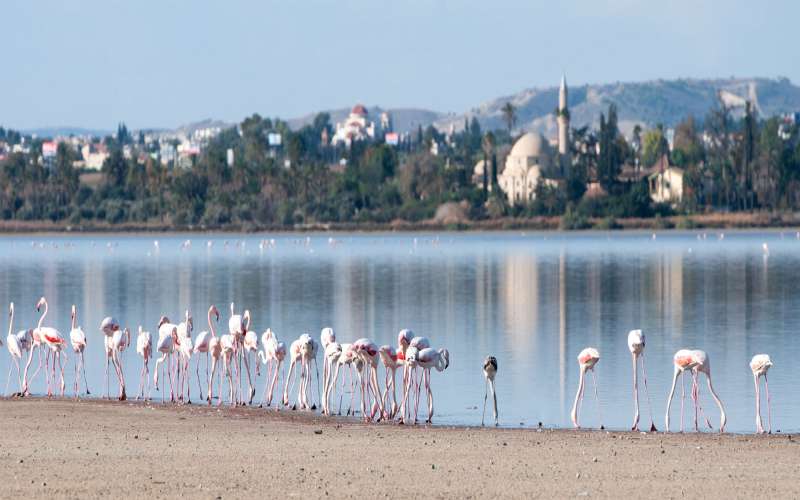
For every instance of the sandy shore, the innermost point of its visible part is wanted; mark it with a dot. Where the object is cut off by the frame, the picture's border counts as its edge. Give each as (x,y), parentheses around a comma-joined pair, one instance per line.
(62,448)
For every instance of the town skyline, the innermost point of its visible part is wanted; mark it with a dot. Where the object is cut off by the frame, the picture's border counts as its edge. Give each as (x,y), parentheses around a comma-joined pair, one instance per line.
(160,66)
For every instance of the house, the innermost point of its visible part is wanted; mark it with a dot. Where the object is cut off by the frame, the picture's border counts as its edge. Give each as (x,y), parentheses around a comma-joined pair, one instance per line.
(666,183)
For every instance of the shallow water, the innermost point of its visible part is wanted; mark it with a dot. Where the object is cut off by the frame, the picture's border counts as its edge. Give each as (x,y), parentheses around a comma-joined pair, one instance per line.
(533,300)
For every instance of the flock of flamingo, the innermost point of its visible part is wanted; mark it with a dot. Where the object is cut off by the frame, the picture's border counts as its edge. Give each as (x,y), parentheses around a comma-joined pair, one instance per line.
(357,362)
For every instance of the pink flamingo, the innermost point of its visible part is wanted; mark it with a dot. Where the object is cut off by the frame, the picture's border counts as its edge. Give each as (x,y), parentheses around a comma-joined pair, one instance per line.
(404,338)
(167,337)
(414,383)
(430,358)
(17,343)
(144,347)
(36,346)
(371,389)
(347,359)
(251,347)
(55,341)
(300,353)
(759,365)
(237,327)
(185,350)
(202,345)
(696,361)
(120,341)
(228,348)
(389,358)
(489,373)
(273,354)
(587,359)
(109,326)
(326,336)
(636,343)
(78,340)
(333,351)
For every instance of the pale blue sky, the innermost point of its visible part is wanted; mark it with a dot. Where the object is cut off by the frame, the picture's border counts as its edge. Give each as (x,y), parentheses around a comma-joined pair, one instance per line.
(92,63)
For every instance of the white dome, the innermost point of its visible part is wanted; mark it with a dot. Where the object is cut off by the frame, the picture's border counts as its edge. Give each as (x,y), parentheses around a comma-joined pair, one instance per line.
(530,144)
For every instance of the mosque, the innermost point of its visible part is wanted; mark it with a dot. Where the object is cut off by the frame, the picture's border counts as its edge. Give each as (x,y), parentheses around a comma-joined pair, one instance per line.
(533,160)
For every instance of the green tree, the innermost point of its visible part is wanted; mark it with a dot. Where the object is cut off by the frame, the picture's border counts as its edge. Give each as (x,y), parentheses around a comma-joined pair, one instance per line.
(509,116)
(654,146)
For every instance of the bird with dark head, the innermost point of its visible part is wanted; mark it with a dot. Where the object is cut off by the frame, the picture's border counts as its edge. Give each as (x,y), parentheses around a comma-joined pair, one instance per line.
(489,372)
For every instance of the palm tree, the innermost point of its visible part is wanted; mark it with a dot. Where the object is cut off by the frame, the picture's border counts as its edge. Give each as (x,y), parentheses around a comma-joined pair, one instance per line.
(509,116)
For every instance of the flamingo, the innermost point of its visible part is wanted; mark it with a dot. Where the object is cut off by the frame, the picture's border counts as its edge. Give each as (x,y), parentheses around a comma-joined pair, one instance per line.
(636,343)
(167,337)
(251,346)
(587,359)
(17,343)
(759,365)
(430,358)
(119,342)
(36,346)
(347,358)
(108,326)
(326,336)
(368,352)
(185,350)
(389,358)
(78,340)
(237,327)
(55,341)
(696,361)
(144,347)
(228,346)
(489,372)
(331,355)
(203,345)
(272,356)
(299,352)
(404,338)
(417,344)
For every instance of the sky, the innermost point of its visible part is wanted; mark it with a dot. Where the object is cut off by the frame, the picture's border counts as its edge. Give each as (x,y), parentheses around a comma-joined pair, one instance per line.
(163,63)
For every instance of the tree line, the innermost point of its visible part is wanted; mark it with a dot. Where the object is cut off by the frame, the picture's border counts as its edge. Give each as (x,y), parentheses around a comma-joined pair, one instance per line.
(730,164)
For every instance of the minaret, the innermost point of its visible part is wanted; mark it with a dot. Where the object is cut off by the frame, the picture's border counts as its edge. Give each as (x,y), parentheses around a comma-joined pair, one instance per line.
(563,120)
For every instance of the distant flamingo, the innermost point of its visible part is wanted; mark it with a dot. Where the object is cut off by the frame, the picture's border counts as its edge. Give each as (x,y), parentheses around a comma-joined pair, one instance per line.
(109,326)
(696,362)
(587,359)
(17,343)
(636,344)
(489,372)
(390,362)
(78,340)
(759,365)
(167,335)
(430,358)
(201,345)
(144,347)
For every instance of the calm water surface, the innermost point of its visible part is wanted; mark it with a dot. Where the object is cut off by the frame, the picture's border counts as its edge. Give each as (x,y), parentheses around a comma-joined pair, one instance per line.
(533,300)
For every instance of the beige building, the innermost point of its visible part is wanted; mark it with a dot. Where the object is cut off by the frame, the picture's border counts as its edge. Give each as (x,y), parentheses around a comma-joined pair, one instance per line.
(666,184)
(533,161)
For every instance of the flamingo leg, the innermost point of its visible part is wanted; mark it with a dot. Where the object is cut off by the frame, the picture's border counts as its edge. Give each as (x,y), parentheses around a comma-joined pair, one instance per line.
(61,368)
(635,425)
(485,397)
(427,376)
(722,417)
(494,399)
(759,424)
(288,381)
(647,395)
(769,406)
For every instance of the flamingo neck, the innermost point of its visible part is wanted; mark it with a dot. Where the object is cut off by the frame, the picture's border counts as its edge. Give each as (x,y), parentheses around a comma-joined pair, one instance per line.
(44,313)
(11,322)
(74,319)
(211,325)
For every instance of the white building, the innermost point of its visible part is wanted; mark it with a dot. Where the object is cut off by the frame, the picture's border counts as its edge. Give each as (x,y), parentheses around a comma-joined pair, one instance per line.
(356,127)
(666,184)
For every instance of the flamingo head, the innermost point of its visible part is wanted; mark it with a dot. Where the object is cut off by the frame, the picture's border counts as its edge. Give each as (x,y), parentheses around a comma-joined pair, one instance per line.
(404,338)
(39,304)
(10,309)
(163,320)
(246,320)
(280,351)
(73,313)
(213,310)
(189,322)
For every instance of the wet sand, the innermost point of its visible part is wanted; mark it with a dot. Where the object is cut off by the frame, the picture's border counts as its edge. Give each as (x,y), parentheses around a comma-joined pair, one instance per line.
(61,448)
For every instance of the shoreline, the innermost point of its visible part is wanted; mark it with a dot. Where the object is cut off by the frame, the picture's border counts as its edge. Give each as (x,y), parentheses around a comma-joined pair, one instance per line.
(90,448)
(712,221)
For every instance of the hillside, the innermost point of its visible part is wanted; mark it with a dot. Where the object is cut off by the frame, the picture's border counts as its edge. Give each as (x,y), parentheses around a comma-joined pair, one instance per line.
(647,103)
